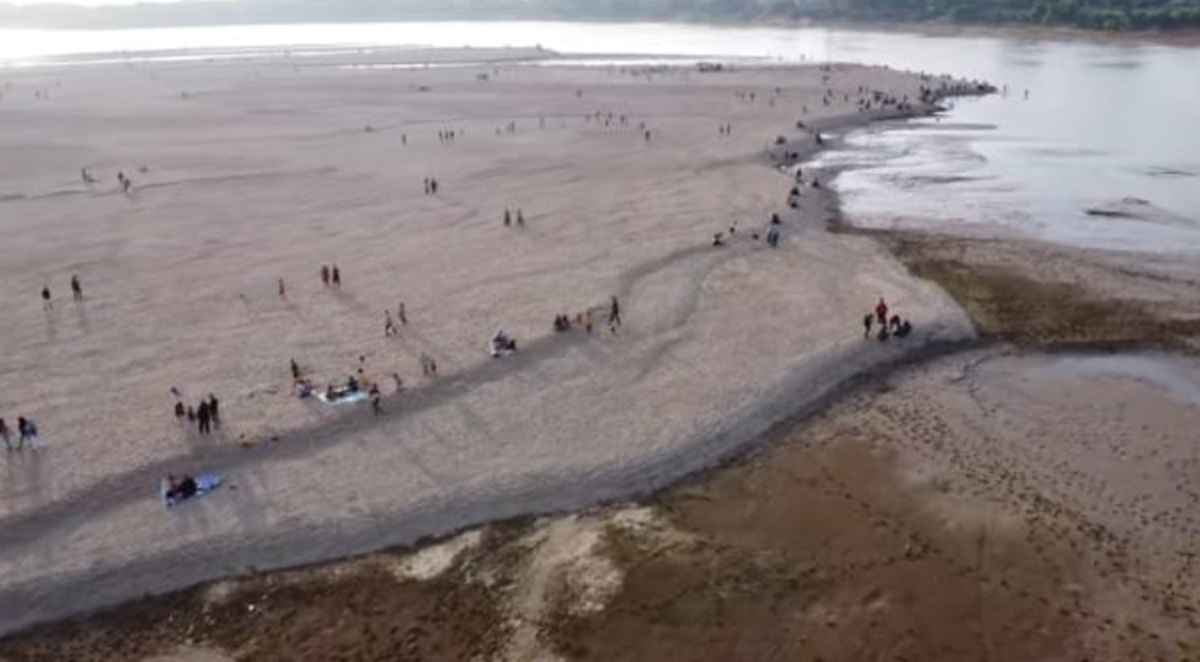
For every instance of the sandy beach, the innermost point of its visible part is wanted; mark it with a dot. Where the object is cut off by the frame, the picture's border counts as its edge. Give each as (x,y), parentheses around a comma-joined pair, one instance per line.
(247,172)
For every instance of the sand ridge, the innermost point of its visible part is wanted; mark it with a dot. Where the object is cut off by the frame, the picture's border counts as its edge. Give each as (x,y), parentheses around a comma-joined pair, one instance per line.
(256,171)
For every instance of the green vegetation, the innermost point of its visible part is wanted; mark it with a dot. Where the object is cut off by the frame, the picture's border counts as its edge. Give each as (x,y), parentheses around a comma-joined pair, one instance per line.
(1113,15)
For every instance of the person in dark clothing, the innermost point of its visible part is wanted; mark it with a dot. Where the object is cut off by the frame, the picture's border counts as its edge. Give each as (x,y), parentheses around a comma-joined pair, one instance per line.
(520,219)
(432,186)
(46,303)
(904,330)
(76,289)
(295,370)
(895,322)
(614,313)
(507,218)
(5,434)
(883,333)
(204,423)
(376,398)
(180,412)
(325,275)
(214,410)
(881,311)
(867,319)
(191,414)
(337,276)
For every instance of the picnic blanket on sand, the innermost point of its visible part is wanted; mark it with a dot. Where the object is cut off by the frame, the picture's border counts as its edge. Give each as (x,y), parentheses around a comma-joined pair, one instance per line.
(204,484)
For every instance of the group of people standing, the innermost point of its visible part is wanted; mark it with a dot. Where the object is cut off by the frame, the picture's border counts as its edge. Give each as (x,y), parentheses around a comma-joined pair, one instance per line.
(508,219)
(206,416)
(894,326)
(331,276)
(27,433)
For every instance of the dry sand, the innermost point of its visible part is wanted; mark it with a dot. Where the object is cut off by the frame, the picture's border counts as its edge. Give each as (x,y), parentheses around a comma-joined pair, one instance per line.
(265,169)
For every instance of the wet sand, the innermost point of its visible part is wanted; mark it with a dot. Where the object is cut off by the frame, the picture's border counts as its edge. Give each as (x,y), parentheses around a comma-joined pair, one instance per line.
(1044,505)
(249,171)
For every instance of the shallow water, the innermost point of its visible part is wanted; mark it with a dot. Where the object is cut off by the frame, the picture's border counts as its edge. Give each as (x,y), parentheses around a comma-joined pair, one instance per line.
(1177,379)
(1103,121)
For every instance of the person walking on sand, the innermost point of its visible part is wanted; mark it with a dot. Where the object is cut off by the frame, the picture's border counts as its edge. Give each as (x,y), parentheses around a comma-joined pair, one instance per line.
(76,289)
(325,275)
(336,278)
(28,433)
(401,314)
(867,319)
(881,311)
(389,329)
(614,314)
(295,371)
(6,435)
(507,219)
(432,186)
(282,290)
(46,303)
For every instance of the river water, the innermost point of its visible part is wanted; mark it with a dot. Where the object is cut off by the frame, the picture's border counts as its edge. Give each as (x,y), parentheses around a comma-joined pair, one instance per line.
(1102,121)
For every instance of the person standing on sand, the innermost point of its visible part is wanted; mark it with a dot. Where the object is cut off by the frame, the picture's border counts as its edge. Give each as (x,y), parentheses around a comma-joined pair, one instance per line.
(203,422)
(337,277)
(46,303)
(389,329)
(325,275)
(520,219)
(214,410)
(76,289)
(375,399)
(867,319)
(614,314)
(295,371)
(507,219)
(432,186)
(589,321)
(881,311)
(282,290)
(402,315)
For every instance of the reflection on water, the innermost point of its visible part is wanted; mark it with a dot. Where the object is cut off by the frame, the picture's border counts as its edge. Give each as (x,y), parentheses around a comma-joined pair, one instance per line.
(1102,121)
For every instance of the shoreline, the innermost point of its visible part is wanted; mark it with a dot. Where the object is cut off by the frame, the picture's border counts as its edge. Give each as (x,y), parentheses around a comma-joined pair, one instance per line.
(720,451)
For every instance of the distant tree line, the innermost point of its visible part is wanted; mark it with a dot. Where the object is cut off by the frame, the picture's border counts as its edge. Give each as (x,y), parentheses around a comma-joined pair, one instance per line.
(1114,15)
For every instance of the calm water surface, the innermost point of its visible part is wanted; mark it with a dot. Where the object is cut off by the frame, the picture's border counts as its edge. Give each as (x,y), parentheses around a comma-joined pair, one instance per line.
(1102,122)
